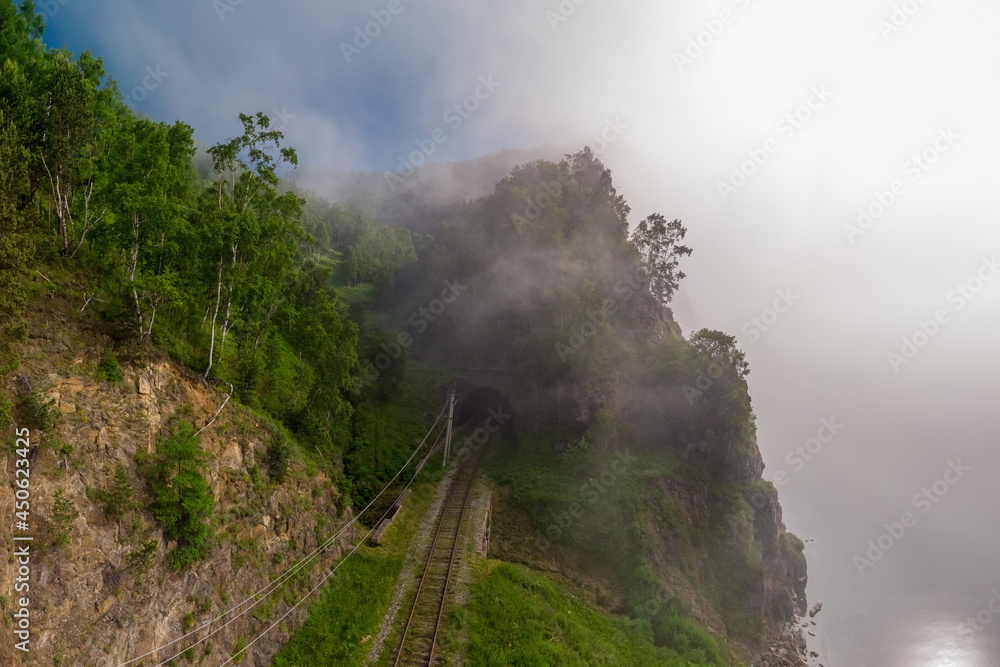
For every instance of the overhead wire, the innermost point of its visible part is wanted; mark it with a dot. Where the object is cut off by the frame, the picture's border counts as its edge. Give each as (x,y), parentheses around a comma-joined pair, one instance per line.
(326,543)
(261,594)
(329,574)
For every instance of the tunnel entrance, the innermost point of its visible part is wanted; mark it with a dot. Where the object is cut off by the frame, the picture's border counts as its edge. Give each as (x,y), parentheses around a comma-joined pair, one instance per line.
(482,415)
(485,406)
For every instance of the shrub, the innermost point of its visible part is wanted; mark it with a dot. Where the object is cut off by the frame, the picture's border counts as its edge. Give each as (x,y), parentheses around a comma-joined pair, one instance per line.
(39,413)
(238,651)
(6,419)
(63,513)
(279,451)
(183,502)
(108,370)
(140,561)
(184,556)
(245,385)
(118,499)
(254,473)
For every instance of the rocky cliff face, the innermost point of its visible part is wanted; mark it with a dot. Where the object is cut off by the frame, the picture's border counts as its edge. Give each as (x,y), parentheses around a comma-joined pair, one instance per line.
(87,606)
(777,597)
(784,584)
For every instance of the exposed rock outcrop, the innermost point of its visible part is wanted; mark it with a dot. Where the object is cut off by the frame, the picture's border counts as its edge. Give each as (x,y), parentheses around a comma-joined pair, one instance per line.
(87,606)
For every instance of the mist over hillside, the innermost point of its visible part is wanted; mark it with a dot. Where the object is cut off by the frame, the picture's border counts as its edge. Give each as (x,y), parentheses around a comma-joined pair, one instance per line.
(249,251)
(417,198)
(208,371)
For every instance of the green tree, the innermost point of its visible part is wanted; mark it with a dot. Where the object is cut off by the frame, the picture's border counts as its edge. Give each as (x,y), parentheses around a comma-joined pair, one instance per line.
(279,451)
(140,561)
(20,31)
(72,143)
(721,347)
(22,50)
(182,499)
(150,167)
(250,229)
(378,254)
(109,370)
(15,246)
(63,513)
(118,498)
(330,344)
(39,411)
(659,246)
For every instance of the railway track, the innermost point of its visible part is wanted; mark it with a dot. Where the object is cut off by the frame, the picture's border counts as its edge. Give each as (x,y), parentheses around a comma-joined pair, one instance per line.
(419,642)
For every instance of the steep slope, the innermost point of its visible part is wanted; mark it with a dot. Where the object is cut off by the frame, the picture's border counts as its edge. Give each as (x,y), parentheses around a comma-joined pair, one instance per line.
(637,459)
(88,606)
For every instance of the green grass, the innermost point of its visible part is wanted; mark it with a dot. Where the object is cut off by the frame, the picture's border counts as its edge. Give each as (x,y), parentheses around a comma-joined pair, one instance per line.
(517,617)
(354,600)
(351,607)
(618,520)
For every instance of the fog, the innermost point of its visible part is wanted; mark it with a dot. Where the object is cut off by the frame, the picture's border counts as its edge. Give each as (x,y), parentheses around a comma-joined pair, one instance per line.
(820,109)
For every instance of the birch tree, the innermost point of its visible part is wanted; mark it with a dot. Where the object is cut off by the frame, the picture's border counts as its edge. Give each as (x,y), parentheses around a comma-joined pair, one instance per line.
(249,225)
(72,142)
(150,164)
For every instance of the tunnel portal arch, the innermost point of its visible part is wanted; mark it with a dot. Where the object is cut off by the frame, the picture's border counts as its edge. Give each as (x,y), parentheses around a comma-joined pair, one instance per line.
(482,404)
(483,395)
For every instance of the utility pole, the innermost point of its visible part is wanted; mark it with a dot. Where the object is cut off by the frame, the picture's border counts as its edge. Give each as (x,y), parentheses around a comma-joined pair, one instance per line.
(451,413)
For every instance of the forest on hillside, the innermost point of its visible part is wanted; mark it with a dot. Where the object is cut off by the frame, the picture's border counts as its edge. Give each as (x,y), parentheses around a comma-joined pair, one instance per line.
(214,259)
(313,314)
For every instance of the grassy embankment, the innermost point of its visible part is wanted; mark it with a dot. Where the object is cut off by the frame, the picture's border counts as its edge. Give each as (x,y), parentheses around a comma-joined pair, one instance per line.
(593,522)
(346,616)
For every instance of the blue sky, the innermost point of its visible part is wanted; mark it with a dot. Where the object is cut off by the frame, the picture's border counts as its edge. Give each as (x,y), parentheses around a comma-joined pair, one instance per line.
(352,107)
